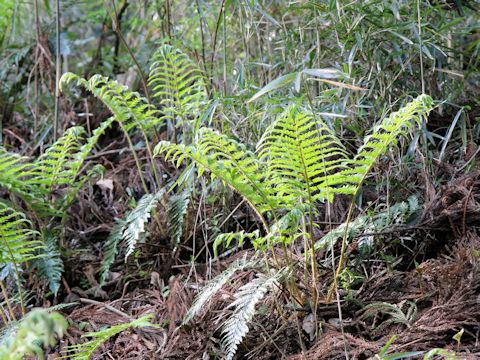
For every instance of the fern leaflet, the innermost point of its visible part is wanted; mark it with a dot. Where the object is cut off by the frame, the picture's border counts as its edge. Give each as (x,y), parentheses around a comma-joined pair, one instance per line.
(136,220)
(86,350)
(111,249)
(176,211)
(213,286)
(17,243)
(248,296)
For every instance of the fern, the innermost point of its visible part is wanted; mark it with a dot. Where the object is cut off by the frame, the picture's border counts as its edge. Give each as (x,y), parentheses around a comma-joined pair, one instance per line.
(50,264)
(178,83)
(40,328)
(129,109)
(229,161)
(135,221)
(246,299)
(302,153)
(58,165)
(300,160)
(240,237)
(17,240)
(86,350)
(382,137)
(14,171)
(176,211)
(213,286)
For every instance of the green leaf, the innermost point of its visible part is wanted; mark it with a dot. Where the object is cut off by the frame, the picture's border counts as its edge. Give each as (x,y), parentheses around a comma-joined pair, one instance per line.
(276,84)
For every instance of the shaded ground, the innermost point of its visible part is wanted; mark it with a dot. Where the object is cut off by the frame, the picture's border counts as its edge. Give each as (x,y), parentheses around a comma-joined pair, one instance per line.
(424,305)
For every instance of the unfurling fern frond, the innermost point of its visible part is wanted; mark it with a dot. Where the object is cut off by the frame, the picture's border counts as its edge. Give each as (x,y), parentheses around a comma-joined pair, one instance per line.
(384,136)
(213,286)
(246,300)
(111,249)
(178,83)
(40,328)
(17,240)
(176,211)
(302,153)
(86,350)
(136,220)
(50,264)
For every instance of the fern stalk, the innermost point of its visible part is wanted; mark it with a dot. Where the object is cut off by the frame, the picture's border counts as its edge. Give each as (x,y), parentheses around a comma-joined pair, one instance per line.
(17,277)
(7,300)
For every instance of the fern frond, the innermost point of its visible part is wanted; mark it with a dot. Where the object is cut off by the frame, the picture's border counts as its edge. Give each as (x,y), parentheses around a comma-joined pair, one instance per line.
(227,238)
(58,165)
(15,171)
(40,328)
(302,153)
(229,161)
(17,240)
(246,300)
(213,286)
(396,214)
(176,211)
(178,83)
(87,148)
(136,220)
(86,350)
(383,137)
(111,249)
(128,108)
(50,264)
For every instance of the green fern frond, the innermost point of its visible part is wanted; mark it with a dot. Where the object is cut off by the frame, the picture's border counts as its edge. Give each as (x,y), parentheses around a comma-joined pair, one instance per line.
(111,249)
(58,165)
(87,148)
(128,108)
(50,264)
(15,171)
(246,300)
(213,286)
(136,220)
(176,211)
(383,137)
(86,350)
(38,329)
(17,240)
(302,153)
(229,161)
(240,237)
(178,84)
